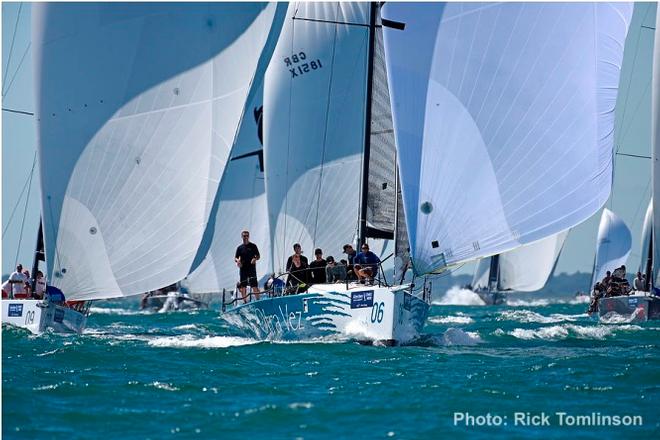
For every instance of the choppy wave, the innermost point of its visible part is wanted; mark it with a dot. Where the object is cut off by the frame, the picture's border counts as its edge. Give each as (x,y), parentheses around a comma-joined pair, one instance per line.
(190,341)
(457,296)
(187,327)
(565,331)
(528,316)
(615,318)
(460,318)
(456,336)
(115,311)
(542,302)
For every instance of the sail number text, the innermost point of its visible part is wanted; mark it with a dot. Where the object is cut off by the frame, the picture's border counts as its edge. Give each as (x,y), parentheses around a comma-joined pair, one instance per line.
(377,312)
(298,64)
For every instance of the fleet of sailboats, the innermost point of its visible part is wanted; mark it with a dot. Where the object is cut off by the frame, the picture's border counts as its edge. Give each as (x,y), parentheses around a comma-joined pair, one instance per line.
(458,131)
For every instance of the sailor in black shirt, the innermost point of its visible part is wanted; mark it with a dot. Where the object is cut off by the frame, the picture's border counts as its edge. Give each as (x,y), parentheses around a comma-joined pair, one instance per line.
(246,258)
(318,268)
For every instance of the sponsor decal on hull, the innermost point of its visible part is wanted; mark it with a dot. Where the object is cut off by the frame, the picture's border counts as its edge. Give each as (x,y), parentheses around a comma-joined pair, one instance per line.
(15,310)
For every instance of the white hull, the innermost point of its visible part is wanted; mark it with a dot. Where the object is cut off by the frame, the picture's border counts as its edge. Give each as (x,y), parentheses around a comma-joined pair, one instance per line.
(37,316)
(363,313)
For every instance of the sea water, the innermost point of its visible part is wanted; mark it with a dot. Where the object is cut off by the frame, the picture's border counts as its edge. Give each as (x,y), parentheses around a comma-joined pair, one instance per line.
(537,368)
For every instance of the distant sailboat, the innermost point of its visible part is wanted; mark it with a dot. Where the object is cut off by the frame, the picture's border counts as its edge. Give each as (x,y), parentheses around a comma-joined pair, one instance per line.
(525,269)
(613,245)
(137,108)
(643,306)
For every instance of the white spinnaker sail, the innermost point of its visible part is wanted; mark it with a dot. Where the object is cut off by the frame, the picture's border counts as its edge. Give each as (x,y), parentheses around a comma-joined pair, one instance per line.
(524,269)
(241,205)
(314,122)
(647,230)
(655,126)
(612,246)
(503,119)
(138,105)
(528,268)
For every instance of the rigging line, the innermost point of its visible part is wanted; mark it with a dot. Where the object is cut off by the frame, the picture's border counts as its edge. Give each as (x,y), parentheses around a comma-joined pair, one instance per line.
(288,161)
(17,70)
(325,134)
(644,95)
(11,47)
(317,20)
(640,156)
(20,112)
(27,200)
(641,202)
(20,197)
(625,104)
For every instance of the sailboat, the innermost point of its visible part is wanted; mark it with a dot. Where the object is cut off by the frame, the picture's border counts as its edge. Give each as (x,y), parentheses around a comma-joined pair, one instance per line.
(327,125)
(525,269)
(134,130)
(481,149)
(643,306)
(613,246)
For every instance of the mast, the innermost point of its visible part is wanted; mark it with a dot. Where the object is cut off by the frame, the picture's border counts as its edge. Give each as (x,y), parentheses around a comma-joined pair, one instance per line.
(494,275)
(38,255)
(362,232)
(649,265)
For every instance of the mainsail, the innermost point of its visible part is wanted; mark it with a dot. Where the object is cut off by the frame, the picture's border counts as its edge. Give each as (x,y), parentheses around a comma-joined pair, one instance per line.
(314,125)
(505,115)
(612,246)
(138,105)
(524,269)
(382,187)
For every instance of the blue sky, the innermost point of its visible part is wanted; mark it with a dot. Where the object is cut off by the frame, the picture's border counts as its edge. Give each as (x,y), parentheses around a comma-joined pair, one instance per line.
(632,176)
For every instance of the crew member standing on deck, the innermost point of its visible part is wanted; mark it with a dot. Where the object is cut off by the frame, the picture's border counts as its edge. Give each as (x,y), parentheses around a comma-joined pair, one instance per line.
(17,281)
(246,258)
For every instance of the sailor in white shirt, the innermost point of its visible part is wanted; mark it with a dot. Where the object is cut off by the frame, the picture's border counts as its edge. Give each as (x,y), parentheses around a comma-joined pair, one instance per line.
(17,281)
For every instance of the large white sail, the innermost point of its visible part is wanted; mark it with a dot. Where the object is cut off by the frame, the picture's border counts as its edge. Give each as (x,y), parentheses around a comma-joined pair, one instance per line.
(481,274)
(525,269)
(647,231)
(528,268)
(314,124)
(241,205)
(655,126)
(503,119)
(612,246)
(138,106)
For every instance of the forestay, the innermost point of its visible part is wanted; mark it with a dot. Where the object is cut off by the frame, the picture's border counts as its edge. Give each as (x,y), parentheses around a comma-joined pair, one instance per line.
(612,246)
(138,106)
(314,122)
(505,114)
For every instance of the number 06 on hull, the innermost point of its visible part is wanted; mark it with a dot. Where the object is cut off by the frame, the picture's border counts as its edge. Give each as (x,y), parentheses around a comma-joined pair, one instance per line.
(387,315)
